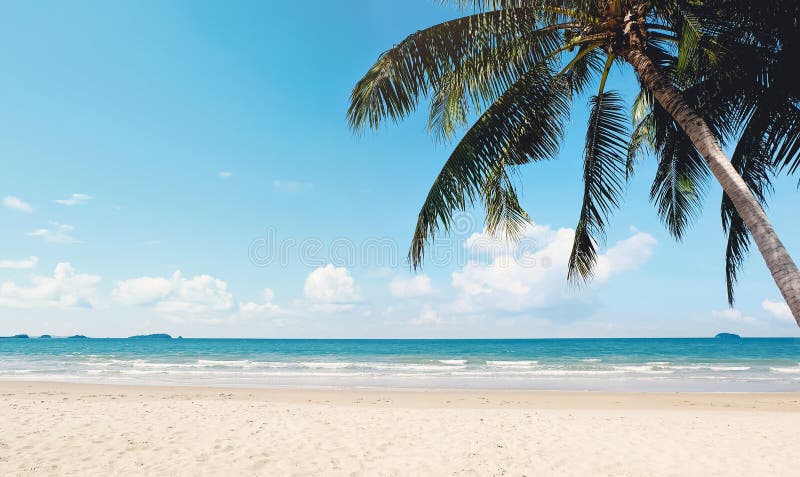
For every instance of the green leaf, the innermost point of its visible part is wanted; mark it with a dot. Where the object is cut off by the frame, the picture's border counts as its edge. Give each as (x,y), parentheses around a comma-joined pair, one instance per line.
(753,162)
(525,124)
(477,81)
(603,176)
(681,174)
(425,60)
(504,214)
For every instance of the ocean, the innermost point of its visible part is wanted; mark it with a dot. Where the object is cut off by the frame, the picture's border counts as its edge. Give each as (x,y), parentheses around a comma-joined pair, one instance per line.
(674,364)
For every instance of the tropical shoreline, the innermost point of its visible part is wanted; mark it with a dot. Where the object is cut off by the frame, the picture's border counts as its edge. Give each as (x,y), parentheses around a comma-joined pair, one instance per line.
(67,428)
(614,365)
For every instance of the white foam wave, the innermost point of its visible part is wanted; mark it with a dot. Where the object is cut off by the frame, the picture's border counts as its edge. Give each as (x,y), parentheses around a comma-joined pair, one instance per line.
(453,361)
(141,371)
(571,372)
(97,363)
(540,372)
(410,366)
(148,364)
(512,364)
(708,367)
(793,370)
(231,363)
(322,365)
(644,369)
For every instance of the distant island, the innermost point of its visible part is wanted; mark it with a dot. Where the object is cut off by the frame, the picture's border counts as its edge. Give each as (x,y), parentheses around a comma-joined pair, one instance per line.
(727,336)
(78,337)
(15,336)
(45,336)
(152,336)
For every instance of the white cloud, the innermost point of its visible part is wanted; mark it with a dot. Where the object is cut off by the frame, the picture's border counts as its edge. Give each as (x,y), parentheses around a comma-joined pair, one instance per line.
(483,245)
(778,309)
(413,287)
(15,203)
(733,315)
(75,199)
(531,275)
(626,255)
(65,289)
(24,264)
(331,285)
(292,186)
(140,291)
(57,233)
(201,294)
(267,309)
(225,174)
(427,317)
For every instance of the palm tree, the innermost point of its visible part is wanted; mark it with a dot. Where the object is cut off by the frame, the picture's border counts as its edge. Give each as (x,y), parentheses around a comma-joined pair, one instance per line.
(522,63)
(756,91)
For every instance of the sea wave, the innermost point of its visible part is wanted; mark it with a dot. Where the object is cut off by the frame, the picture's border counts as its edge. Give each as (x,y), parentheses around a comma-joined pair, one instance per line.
(230,363)
(411,366)
(540,372)
(701,367)
(325,365)
(625,365)
(793,370)
(644,369)
(453,361)
(512,364)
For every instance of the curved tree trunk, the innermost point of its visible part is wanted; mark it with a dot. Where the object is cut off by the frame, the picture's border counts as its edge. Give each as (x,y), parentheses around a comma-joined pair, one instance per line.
(780,264)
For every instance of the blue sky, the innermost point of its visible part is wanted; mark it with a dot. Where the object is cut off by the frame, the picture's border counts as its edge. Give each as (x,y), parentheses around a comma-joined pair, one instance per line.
(152,149)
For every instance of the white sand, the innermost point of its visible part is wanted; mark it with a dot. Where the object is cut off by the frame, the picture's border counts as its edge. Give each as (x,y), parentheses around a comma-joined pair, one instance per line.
(72,429)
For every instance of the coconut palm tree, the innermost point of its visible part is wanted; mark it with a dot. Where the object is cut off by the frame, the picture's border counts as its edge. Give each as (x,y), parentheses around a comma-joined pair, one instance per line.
(521,63)
(756,91)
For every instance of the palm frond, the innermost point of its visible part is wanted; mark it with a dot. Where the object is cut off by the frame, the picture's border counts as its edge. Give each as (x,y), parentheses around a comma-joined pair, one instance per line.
(586,64)
(752,161)
(603,176)
(737,245)
(606,70)
(477,81)
(557,9)
(525,124)
(504,214)
(642,140)
(688,42)
(783,137)
(393,86)
(681,175)
(449,109)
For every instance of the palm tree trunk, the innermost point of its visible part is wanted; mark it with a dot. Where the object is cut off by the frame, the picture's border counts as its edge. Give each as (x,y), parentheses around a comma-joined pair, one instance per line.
(780,264)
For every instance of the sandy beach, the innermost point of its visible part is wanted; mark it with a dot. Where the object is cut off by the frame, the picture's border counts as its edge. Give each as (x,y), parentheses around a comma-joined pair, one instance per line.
(84,429)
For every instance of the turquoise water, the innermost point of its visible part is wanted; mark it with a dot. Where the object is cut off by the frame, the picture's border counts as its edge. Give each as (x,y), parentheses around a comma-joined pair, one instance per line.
(752,364)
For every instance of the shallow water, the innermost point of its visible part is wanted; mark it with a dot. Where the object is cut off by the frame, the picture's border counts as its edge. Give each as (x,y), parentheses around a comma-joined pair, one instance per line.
(673,364)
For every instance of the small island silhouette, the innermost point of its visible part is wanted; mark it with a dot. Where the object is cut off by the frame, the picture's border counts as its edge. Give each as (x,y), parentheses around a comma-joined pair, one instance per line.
(727,336)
